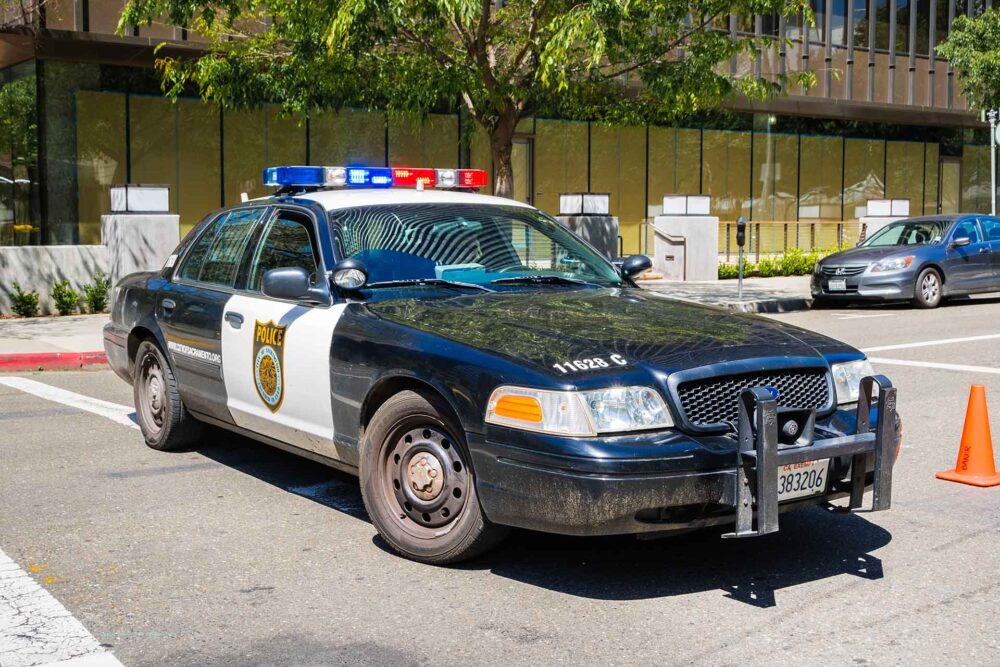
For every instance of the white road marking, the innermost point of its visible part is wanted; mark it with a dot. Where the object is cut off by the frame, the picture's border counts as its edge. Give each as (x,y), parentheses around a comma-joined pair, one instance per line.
(35,629)
(862,316)
(933,364)
(120,414)
(942,341)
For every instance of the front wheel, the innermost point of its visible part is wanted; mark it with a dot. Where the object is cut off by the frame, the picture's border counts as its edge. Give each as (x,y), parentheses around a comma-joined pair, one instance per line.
(418,486)
(163,419)
(928,290)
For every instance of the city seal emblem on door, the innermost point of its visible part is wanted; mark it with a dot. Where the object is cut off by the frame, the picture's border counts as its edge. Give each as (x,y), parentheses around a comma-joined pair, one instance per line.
(268,356)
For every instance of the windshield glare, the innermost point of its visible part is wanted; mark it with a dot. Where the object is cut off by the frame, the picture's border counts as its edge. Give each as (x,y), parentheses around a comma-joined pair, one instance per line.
(469,243)
(907,232)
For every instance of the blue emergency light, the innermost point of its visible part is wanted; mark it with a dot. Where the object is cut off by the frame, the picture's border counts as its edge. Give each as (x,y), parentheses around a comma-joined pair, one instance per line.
(374,177)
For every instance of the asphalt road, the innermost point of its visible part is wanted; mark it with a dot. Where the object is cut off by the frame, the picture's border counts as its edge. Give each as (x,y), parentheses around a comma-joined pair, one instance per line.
(241,554)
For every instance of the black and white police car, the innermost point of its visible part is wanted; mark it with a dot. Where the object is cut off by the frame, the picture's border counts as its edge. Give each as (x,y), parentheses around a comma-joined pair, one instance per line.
(479,367)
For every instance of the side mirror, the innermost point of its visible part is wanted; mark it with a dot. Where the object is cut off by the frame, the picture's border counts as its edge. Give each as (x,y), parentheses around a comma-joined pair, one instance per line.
(960,241)
(635,264)
(292,283)
(350,274)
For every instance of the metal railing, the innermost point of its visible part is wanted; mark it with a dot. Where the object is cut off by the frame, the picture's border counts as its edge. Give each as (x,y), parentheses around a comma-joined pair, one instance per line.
(774,237)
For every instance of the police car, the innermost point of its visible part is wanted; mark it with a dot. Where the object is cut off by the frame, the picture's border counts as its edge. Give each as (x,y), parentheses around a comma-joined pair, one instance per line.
(479,367)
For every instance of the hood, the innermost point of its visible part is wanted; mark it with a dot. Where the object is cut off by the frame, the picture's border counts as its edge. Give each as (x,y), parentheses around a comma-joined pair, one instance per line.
(553,326)
(867,255)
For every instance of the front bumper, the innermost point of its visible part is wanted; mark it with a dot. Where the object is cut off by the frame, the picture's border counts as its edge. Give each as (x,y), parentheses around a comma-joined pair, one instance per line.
(889,286)
(704,481)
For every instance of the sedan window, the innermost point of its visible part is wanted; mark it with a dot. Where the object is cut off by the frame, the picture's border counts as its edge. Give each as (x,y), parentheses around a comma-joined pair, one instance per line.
(907,232)
(287,242)
(217,254)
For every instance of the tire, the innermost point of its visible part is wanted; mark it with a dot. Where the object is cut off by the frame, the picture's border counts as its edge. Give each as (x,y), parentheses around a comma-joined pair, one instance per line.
(418,485)
(927,291)
(165,423)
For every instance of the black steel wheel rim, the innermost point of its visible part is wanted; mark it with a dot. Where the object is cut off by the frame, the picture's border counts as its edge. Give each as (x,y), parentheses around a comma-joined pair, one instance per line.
(152,394)
(423,479)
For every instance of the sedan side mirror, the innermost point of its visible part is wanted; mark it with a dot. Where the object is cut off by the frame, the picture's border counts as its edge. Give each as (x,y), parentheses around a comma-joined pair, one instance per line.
(292,284)
(635,264)
(350,274)
(960,241)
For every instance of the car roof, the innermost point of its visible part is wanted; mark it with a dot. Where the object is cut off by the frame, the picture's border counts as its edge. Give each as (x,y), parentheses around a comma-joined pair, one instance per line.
(944,217)
(351,197)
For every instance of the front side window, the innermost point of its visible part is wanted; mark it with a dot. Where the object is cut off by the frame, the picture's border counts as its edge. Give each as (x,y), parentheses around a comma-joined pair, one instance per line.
(967,228)
(287,242)
(471,243)
(215,257)
(907,232)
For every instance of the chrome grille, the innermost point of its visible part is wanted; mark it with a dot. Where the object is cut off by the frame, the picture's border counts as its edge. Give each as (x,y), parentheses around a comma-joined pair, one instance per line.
(843,270)
(712,402)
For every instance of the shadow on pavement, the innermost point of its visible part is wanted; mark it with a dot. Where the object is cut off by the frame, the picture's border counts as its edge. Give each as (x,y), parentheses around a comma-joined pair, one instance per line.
(813,543)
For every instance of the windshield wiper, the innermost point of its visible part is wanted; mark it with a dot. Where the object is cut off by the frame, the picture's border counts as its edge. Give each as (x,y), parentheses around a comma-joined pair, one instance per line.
(429,281)
(539,280)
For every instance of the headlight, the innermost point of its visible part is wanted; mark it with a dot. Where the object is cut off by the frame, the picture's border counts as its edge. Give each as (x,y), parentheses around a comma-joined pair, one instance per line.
(847,379)
(578,413)
(891,264)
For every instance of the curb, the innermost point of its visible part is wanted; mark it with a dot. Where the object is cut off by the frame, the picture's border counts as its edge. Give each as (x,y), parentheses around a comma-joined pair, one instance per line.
(50,361)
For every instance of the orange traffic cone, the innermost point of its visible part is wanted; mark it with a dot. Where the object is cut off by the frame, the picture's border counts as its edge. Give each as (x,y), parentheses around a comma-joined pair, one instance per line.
(975,455)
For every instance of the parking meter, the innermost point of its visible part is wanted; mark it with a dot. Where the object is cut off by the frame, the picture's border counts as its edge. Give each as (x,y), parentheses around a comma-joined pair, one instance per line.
(741,239)
(741,232)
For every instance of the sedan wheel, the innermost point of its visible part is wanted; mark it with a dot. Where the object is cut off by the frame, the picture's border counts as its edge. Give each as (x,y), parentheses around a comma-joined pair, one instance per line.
(163,419)
(928,289)
(417,485)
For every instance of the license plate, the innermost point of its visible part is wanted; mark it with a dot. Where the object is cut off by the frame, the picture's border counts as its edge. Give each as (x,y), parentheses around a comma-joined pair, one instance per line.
(837,285)
(800,480)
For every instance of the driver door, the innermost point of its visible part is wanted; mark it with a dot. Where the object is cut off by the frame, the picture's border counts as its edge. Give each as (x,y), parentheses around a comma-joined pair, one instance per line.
(968,268)
(276,353)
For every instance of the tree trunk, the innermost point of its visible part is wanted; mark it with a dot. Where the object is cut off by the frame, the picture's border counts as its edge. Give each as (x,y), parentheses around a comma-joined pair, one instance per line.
(502,146)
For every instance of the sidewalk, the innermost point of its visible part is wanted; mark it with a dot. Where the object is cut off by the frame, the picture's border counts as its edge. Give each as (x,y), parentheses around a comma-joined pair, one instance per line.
(760,295)
(52,343)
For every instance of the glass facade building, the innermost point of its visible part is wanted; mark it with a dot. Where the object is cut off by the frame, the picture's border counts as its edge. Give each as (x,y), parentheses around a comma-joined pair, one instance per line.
(82,110)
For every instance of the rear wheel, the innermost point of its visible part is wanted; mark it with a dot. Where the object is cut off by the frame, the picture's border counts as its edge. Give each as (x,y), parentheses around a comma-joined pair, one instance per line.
(418,486)
(928,291)
(163,419)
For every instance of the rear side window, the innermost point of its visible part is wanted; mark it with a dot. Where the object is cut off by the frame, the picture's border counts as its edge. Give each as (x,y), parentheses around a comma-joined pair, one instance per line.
(217,254)
(287,242)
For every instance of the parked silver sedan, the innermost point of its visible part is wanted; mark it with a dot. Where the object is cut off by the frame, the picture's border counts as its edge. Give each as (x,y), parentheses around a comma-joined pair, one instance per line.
(920,259)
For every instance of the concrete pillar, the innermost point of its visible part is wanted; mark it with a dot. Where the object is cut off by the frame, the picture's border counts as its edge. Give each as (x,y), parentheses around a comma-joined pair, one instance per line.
(686,247)
(139,241)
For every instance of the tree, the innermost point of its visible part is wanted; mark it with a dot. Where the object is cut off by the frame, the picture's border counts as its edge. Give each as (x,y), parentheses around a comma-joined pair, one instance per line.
(21,16)
(627,61)
(973,49)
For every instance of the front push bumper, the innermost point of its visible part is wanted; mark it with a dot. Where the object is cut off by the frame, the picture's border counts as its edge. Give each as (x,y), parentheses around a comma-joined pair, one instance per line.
(581,497)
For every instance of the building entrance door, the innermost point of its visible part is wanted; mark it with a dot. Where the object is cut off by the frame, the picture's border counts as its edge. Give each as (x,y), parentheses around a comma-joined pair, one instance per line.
(950,180)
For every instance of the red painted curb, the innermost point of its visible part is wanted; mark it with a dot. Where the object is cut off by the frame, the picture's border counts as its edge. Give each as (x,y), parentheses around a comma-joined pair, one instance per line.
(50,361)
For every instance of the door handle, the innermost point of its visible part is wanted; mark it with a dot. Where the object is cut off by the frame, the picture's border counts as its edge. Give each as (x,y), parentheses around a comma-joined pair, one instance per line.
(983,251)
(168,305)
(235,319)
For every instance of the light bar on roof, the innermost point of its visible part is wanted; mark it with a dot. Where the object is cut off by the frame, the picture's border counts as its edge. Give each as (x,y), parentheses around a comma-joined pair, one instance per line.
(374,177)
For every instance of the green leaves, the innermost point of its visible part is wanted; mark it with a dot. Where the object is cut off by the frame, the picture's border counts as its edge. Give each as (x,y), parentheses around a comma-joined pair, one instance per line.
(973,49)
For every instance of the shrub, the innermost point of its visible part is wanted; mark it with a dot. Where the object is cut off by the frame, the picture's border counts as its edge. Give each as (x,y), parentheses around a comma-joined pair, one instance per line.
(768,267)
(795,262)
(95,294)
(66,298)
(728,271)
(24,303)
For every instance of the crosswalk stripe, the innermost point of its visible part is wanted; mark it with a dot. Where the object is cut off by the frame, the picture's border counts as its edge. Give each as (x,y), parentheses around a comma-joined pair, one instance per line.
(120,414)
(35,629)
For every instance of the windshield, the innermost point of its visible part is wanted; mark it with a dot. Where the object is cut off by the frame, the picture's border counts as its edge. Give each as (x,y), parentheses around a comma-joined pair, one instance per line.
(467,243)
(907,232)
